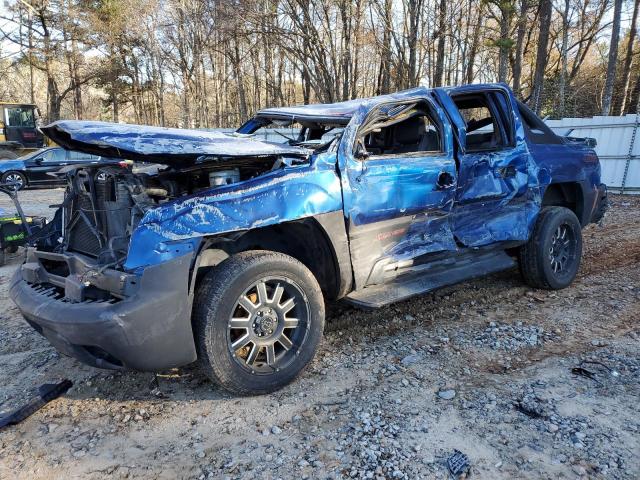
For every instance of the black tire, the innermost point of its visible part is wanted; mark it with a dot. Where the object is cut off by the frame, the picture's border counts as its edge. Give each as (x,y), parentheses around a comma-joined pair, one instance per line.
(541,263)
(7,154)
(218,299)
(12,175)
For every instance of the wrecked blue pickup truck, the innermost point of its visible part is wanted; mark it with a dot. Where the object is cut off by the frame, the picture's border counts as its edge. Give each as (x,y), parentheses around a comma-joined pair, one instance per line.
(222,248)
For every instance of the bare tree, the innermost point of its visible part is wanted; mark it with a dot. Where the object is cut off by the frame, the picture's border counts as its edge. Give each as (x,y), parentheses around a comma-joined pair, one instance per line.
(622,98)
(212,63)
(607,94)
(541,54)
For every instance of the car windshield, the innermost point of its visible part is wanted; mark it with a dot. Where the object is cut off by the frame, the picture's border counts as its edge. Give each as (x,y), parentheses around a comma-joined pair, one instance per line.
(20,117)
(35,154)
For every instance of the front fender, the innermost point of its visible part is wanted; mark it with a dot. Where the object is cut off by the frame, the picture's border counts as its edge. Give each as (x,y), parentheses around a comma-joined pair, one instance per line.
(279,196)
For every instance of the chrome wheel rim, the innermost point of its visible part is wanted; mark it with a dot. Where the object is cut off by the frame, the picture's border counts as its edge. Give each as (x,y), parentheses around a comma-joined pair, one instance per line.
(15,180)
(268,325)
(562,251)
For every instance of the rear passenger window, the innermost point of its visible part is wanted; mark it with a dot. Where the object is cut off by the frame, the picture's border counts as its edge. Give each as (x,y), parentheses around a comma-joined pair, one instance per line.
(82,157)
(488,124)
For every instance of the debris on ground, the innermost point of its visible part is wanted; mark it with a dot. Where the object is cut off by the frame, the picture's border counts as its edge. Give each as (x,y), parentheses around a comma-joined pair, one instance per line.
(458,464)
(46,393)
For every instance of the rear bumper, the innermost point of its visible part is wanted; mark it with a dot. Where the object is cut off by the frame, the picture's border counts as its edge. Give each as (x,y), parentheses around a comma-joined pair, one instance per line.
(149,330)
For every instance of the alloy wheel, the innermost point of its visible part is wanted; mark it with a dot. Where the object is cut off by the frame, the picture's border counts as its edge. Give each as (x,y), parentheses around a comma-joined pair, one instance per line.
(15,180)
(268,325)
(562,251)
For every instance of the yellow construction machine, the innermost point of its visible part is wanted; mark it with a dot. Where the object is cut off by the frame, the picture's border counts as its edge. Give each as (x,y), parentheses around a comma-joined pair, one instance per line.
(19,133)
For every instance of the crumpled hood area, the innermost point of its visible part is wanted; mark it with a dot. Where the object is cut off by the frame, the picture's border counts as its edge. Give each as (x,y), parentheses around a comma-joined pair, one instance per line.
(170,146)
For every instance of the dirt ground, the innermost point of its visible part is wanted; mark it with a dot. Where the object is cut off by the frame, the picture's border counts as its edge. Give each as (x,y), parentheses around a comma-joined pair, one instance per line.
(484,367)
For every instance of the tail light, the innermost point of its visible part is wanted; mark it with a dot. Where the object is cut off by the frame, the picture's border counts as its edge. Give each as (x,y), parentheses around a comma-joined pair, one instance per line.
(590,158)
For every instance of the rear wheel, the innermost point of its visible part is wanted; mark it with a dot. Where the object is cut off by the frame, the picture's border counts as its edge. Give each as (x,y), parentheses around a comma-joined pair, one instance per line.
(551,257)
(258,321)
(16,179)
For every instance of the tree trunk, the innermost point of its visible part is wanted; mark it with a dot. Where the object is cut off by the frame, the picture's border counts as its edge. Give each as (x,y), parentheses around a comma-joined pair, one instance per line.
(622,102)
(634,97)
(442,18)
(384,77)
(522,30)
(475,42)
(564,52)
(239,79)
(607,94)
(504,45)
(541,55)
(415,6)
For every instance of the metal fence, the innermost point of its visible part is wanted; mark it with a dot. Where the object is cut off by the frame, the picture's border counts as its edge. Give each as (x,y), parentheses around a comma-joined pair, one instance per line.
(618,147)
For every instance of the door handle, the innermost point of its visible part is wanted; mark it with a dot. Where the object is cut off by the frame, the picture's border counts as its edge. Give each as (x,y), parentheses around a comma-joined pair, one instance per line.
(445,180)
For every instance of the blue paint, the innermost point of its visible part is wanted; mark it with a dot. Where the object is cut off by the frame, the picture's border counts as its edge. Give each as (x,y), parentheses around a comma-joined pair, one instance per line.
(278,196)
(491,204)
(170,146)
(401,187)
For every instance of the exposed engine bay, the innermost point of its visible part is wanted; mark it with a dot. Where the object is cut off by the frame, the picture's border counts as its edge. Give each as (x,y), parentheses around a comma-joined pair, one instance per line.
(103,205)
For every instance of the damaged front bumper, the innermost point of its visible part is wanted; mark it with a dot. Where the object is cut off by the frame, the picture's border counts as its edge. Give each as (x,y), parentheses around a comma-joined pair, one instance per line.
(107,318)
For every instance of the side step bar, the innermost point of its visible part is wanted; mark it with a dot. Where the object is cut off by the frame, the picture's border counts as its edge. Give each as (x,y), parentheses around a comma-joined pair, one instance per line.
(427,279)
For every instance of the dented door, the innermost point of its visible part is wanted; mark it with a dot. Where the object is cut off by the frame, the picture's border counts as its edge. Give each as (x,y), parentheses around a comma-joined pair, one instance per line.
(495,196)
(397,208)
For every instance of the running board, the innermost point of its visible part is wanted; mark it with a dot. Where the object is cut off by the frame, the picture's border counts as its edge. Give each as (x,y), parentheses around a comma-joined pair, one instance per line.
(427,278)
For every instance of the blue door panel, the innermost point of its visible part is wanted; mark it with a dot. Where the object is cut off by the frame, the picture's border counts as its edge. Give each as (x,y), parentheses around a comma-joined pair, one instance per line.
(497,197)
(394,208)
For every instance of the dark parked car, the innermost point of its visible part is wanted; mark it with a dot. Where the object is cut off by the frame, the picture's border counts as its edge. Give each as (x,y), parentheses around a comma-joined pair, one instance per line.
(39,168)
(228,255)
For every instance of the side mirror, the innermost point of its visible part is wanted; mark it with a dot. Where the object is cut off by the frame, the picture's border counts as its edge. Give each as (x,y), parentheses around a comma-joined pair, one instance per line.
(39,160)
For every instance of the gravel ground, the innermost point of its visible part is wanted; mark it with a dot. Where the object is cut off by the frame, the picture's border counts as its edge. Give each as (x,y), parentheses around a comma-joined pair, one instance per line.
(484,367)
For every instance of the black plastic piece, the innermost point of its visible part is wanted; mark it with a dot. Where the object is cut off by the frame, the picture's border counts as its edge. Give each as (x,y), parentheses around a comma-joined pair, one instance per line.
(458,463)
(46,393)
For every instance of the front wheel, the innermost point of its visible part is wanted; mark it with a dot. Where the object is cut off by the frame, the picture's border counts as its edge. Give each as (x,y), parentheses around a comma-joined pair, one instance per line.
(258,320)
(17,180)
(551,257)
